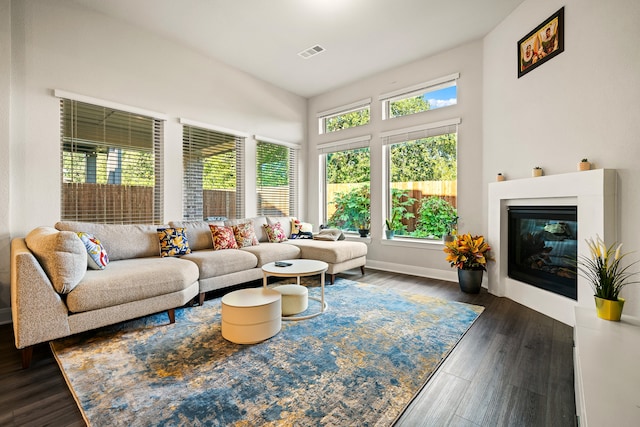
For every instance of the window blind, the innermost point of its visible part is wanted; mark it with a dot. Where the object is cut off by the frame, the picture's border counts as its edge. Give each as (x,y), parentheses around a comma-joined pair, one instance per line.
(421,131)
(111,164)
(344,144)
(213,174)
(276,177)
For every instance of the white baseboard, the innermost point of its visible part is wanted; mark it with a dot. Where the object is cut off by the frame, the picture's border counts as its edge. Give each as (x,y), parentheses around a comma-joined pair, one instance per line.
(413,270)
(5,316)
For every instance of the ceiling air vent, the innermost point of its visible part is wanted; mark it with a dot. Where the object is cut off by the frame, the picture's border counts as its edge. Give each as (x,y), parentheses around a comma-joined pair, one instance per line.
(308,53)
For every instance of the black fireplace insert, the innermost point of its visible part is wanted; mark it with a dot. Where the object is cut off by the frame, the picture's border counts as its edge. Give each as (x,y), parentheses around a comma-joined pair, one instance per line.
(543,247)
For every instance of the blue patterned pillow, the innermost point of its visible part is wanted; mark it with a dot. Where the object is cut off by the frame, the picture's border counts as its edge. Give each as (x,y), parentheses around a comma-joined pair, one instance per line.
(173,242)
(97,259)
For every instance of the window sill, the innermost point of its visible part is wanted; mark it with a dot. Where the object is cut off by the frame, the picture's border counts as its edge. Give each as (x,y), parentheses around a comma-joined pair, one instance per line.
(435,245)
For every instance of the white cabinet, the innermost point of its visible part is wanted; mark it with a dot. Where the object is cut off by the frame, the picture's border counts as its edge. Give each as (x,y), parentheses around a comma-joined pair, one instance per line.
(607,370)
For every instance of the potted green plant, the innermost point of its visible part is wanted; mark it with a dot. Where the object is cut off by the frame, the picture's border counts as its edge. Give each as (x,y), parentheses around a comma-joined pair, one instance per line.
(584,165)
(607,276)
(389,231)
(451,230)
(469,254)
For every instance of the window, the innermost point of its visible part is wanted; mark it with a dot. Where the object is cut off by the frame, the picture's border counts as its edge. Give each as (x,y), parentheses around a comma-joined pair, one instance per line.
(347,116)
(213,174)
(422,97)
(111,165)
(346,191)
(422,179)
(276,178)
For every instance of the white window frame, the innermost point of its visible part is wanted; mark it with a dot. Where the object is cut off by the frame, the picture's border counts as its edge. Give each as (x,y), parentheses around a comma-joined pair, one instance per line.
(409,134)
(323,116)
(416,90)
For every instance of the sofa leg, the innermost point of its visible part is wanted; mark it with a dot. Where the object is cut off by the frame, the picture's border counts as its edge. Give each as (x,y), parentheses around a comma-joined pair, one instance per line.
(362,269)
(172,315)
(27,354)
(332,278)
(202,294)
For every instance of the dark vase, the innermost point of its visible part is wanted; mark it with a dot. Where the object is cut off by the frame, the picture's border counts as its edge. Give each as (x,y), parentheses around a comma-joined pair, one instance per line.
(470,280)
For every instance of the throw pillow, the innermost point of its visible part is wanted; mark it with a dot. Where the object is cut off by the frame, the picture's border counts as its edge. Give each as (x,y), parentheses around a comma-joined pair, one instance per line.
(245,235)
(173,242)
(62,255)
(329,234)
(223,237)
(296,227)
(97,259)
(275,233)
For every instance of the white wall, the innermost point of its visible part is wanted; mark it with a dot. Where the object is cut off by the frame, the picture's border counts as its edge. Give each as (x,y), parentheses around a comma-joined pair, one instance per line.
(419,259)
(582,103)
(59,45)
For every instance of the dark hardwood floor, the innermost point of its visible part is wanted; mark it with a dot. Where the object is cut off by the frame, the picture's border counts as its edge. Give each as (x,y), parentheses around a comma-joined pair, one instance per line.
(514,367)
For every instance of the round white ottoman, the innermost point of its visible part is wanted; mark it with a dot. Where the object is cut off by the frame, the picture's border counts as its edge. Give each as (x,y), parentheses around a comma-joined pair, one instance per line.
(251,315)
(295,299)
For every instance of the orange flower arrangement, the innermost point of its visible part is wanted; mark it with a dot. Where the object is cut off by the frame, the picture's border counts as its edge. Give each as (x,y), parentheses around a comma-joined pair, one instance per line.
(468,252)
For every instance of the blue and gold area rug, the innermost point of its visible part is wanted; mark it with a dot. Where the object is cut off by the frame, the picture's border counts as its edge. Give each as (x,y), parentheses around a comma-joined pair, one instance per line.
(360,363)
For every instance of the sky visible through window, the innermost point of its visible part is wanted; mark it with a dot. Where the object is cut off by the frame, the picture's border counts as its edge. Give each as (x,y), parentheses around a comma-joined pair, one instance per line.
(442,97)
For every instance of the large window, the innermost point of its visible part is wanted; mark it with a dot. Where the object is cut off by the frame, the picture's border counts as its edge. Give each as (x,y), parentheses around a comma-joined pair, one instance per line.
(347,176)
(422,97)
(347,116)
(276,179)
(422,179)
(111,165)
(213,176)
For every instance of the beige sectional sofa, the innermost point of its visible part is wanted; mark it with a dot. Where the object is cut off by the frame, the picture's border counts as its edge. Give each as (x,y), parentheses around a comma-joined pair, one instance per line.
(54,294)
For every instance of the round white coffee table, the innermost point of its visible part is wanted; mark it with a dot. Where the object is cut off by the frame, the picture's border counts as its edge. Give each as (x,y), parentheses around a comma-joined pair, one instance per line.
(251,315)
(299,268)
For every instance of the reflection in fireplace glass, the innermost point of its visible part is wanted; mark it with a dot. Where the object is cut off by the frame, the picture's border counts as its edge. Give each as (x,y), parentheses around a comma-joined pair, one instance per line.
(543,246)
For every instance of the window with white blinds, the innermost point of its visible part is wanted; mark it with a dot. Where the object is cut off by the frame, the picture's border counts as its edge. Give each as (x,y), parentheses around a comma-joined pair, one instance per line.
(213,175)
(111,165)
(346,166)
(276,181)
(421,179)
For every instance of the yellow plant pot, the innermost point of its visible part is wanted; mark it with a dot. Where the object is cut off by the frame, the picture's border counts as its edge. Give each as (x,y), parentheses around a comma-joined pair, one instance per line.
(609,310)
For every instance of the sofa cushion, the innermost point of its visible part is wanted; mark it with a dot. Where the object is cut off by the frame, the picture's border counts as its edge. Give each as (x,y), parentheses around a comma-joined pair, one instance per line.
(61,254)
(97,258)
(131,280)
(223,237)
(269,252)
(198,233)
(173,242)
(275,233)
(330,252)
(121,241)
(245,234)
(257,222)
(218,263)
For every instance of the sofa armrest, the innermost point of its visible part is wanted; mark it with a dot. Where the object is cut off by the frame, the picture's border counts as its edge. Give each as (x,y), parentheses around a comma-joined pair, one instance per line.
(38,311)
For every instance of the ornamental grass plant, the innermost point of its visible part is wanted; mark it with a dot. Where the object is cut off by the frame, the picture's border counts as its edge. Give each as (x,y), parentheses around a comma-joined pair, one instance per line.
(604,270)
(468,252)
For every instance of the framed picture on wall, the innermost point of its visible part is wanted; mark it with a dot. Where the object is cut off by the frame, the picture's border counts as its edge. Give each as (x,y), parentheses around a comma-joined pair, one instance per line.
(541,44)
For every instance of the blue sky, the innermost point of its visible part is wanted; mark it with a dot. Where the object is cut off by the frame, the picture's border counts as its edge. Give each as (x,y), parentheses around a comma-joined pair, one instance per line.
(442,97)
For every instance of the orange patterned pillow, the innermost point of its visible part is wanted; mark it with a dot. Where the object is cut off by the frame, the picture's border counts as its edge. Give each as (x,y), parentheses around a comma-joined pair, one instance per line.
(223,237)
(245,235)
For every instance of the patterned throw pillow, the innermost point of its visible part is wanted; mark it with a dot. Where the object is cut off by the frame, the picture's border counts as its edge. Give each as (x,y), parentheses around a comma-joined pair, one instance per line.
(173,242)
(223,237)
(275,233)
(245,235)
(296,227)
(97,259)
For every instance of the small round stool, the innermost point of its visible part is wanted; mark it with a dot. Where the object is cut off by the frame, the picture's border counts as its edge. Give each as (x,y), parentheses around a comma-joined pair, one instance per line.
(294,299)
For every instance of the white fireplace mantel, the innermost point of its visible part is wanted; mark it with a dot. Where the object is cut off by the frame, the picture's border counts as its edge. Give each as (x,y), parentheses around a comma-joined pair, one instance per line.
(593,192)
